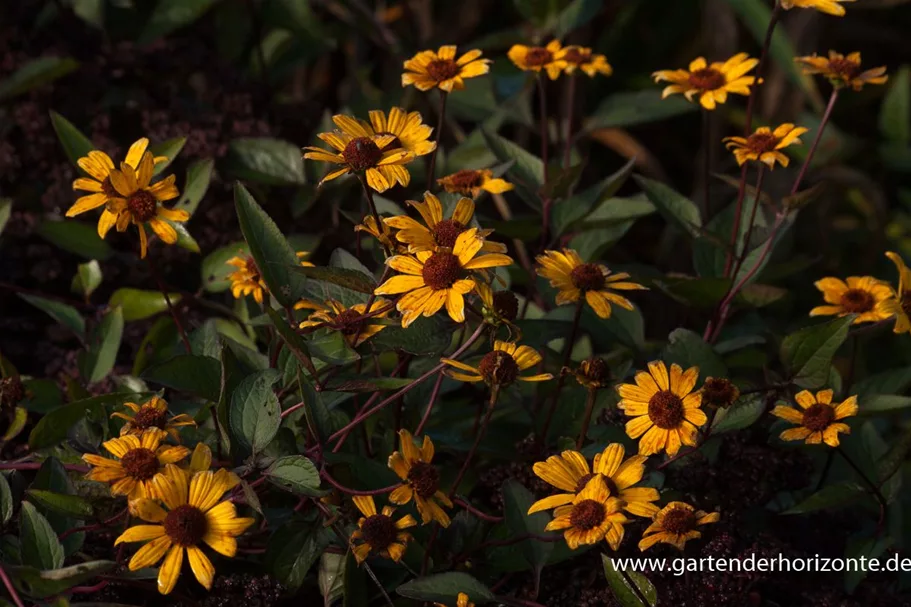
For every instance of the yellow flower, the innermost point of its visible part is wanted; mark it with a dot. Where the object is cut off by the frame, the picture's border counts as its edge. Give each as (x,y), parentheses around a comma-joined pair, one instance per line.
(664,408)
(582,58)
(410,133)
(711,82)
(842,71)
(434,279)
(470,182)
(831,7)
(380,534)
(462,601)
(572,277)
(140,460)
(441,69)
(337,316)
(817,422)
(247,280)
(438,234)
(99,166)
(500,366)
(676,525)
(865,296)
(387,238)
(359,150)
(535,58)
(194,515)
(569,471)
(900,304)
(764,143)
(421,479)
(152,414)
(593,516)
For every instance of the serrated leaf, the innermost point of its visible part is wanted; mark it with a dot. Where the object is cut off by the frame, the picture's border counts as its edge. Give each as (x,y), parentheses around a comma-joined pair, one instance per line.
(445,588)
(35,73)
(200,375)
(295,473)
(75,144)
(98,360)
(565,213)
(332,348)
(688,349)
(808,353)
(516,502)
(424,337)
(137,304)
(52,428)
(39,544)
(199,176)
(170,15)
(254,414)
(622,589)
(266,160)
(69,505)
(675,207)
(293,341)
(742,414)
(829,497)
(292,551)
(343,277)
(65,314)
(41,584)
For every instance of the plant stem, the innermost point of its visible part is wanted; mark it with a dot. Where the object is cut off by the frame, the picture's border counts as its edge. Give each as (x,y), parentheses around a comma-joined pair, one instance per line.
(441,120)
(735,229)
(9,586)
(586,420)
(822,125)
(567,355)
(430,403)
(167,299)
(494,392)
(746,239)
(368,193)
(706,163)
(433,536)
(325,474)
(874,488)
(764,53)
(542,103)
(481,515)
(570,108)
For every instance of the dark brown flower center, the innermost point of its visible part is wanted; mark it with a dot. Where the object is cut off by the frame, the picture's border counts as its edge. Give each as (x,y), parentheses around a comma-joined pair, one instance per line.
(577,56)
(465,181)
(665,409)
(844,69)
(498,367)
(443,69)
(142,205)
(424,478)
(719,392)
(379,531)
(707,79)
(348,322)
(611,485)
(107,188)
(150,417)
(446,232)
(141,464)
(506,305)
(818,417)
(598,370)
(361,154)
(186,525)
(906,302)
(762,142)
(395,143)
(587,277)
(587,515)
(857,301)
(679,521)
(441,270)
(12,390)
(538,57)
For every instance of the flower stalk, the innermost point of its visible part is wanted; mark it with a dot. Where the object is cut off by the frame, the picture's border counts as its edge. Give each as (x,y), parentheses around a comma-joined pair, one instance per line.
(491,404)
(441,121)
(567,355)
(822,125)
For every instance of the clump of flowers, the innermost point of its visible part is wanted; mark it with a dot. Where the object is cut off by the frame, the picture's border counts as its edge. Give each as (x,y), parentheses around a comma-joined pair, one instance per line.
(711,83)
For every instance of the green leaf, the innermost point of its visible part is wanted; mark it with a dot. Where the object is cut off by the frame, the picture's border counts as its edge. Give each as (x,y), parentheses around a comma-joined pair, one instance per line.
(169,149)
(356,584)
(52,476)
(292,551)
(829,497)
(676,208)
(516,502)
(565,213)
(170,15)
(893,381)
(200,375)
(634,108)
(624,591)
(293,341)
(895,115)
(52,428)
(16,424)
(295,473)
(6,501)
(424,337)
(70,505)
(273,255)
(199,176)
(215,269)
(87,279)
(859,548)
(885,402)
(75,144)
(138,304)
(331,578)
(343,277)
(66,315)
(39,544)
(98,360)
(742,414)
(266,160)
(6,209)
(808,353)
(75,237)
(526,172)
(332,348)
(41,584)
(687,349)
(35,73)
(575,15)
(892,461)
(445,588)
(254,414)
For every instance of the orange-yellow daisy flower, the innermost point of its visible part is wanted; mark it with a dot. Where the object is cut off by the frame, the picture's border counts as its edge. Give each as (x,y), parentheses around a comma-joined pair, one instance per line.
(537,58)
(582,58)
(675,525)
(152,414)
(247,279)
(818,422)
(900,305)
(500,366)
(764,144)
(420,479)
(842,71)
(461,601)
(386,238)
(410,133)
(441,69)
(711,82)
(865,296)
(593,516)
(335,315)
(831,7)
(470,182)
(380,533)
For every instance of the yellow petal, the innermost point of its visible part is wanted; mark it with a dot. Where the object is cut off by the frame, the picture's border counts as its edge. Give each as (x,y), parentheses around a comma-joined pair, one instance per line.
(201,565)
(170,570)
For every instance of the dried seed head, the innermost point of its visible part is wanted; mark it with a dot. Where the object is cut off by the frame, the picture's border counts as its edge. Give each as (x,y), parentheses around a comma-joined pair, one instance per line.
(707,79)
(379,531)
(361,154)
(12,391)
(441,270)
(587,514)
(665,409)
(679,520)
(143,205)
(719,392)
(348,323)
(857,301)
(424,478)
(587,277)
(150,417)
(141,464)
(446,232)
(818,417)
(506,305)
(498,367)
(186,525)
(596,370)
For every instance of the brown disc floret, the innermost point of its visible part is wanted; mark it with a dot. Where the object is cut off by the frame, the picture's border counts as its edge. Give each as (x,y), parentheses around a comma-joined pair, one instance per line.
(379,531)
(707,79)
(538,57)
(446,232)
(443,69)
(424,478)
(441,270)
(857,301)
(587,277)
(587,515)
(141,464)
(186,525)
(143,205)
(150,417)
(679,521)
(665,409)
(719,392)
(818,417)
(498,367)
(465,181)
(361,154)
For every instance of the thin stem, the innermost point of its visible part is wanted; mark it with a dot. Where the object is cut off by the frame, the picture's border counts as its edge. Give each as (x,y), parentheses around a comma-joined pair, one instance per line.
(430,403)
(822,125)
(874,488)
(764,53)
(9,586)
(567,355)
(167,299)
(325,474)
(490,518)
(494,392)
(586,420)
(441,121)
(433,536)
(706,162)
(749,234)
(368,193)
(542,103)
(570,108)
(735,229)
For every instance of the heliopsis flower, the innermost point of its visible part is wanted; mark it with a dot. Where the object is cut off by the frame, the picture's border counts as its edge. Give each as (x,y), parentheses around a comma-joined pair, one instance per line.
(831,7)
(380,534)
(461,601)
(410,133)
(152,414)
(438,234)
(500,307)
(593,373)
(140,459)
(842,71)
(470,182)
(582,58)
(664,408)
(537,58)
(434,279)
(441,69)
(675,525)
(386,238)
(569,471)
(195,514)
(99,167)
(764,143)
(336,316)
(501,366)
(719,393)
(711,82)
(421,479)
(818,420)
(572,278)
(359,150)
(862,295)
(593,515)
(900,304)
(247,279)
